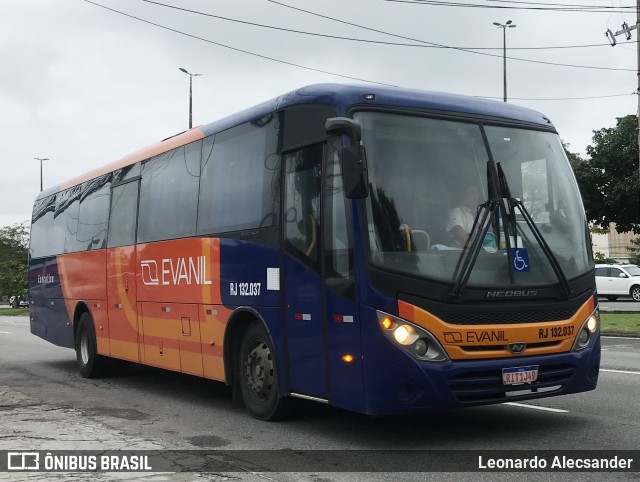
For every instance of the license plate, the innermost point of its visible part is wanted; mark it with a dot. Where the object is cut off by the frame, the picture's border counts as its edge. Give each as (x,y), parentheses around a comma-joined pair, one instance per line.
(519,375)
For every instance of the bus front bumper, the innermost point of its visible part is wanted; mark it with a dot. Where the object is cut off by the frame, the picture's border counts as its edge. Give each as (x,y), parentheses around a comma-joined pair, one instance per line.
(395,382)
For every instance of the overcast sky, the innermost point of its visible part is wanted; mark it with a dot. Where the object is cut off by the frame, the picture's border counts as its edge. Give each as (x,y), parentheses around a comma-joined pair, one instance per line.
(84,86)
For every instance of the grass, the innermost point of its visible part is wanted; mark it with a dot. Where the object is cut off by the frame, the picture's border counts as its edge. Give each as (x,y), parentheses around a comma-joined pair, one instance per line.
(14,311)
(620,323)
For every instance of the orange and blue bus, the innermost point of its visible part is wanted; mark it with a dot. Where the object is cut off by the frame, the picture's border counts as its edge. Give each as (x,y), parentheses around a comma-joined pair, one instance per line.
(377,249)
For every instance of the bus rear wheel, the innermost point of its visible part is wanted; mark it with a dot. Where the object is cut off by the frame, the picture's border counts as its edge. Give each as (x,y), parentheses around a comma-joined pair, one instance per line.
(90,364)
(258,375)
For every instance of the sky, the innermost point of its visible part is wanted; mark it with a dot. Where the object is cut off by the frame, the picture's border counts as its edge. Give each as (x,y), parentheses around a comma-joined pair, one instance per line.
(84,86)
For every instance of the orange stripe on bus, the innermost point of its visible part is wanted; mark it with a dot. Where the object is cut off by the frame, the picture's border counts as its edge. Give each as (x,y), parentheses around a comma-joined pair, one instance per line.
(467,342)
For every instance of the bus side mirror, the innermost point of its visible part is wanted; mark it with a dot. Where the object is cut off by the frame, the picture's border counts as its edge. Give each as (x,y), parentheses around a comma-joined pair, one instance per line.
(353,158)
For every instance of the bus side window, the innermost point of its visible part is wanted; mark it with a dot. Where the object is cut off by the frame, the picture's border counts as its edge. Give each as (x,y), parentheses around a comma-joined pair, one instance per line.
(337,226)
(168,194)
(240,175)
(302,202)
(337,214)
(124,211)
(42,227)
(93,216)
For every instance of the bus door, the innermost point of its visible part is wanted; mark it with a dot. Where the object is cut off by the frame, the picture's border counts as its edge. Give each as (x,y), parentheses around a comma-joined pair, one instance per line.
(121,272)
(303,286)
(344,352)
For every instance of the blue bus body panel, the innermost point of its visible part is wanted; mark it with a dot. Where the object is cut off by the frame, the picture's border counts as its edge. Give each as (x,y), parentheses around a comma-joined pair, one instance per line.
(342,97)
(48,313)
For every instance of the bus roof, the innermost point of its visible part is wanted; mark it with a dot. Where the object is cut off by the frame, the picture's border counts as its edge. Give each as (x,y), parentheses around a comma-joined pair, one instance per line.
(341,97)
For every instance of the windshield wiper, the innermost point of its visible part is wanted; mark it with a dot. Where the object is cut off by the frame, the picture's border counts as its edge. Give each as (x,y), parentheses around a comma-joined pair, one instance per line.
(499,200)
(489,210)
(516,203)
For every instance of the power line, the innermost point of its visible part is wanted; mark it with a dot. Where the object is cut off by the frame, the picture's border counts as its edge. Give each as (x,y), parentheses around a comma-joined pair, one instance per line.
(353,39)
(287,62)
(559,4)
(445,46)
(237,49)
(577,8)
(563,98)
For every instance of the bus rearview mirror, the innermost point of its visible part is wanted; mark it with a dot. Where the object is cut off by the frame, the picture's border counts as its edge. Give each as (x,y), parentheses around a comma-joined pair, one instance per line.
(353,157)
(354,172)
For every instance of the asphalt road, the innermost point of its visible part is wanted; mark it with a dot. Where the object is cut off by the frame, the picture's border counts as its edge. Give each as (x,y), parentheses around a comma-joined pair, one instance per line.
(624,303)
(149,408)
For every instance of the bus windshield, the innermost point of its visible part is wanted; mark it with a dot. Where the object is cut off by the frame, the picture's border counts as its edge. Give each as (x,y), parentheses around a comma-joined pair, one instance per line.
(428,180)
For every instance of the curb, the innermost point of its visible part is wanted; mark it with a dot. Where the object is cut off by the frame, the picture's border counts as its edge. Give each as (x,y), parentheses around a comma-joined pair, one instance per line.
(621,334)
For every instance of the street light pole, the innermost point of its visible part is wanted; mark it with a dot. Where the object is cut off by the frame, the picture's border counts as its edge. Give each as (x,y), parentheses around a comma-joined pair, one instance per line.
(191,76)
(41,159)
(504,28)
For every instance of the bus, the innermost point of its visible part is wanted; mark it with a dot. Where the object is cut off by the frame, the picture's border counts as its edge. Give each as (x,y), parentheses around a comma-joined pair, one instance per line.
(377,249)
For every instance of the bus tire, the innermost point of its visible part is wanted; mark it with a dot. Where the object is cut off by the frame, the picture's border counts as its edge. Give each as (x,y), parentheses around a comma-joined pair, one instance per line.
(258,375)
(90,364)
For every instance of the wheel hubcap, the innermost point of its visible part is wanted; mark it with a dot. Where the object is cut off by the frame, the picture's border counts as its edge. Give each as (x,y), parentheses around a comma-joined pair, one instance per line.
(84,347)
(258,370)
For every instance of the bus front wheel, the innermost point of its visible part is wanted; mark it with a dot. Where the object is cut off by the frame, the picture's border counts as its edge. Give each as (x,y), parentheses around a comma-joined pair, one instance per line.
(91,364)
(258,375)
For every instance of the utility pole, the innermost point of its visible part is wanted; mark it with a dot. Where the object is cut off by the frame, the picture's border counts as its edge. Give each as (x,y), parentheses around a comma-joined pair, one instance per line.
(626,31)
(191,76)
(504,28)
(46,159)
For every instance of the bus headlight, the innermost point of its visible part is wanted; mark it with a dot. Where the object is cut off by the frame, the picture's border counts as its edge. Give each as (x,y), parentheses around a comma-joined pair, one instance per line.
(411,338)
(587,331)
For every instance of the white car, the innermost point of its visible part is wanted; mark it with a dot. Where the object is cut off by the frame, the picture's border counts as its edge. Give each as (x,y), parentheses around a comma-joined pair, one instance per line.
(613,280)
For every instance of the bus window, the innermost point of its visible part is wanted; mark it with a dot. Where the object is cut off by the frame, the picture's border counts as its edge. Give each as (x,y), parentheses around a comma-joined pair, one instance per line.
(94,214)
(71,201)
(65,220)
(302,202)
(168,194)
(42,225)
(124,209)
(239,179)
(337,224)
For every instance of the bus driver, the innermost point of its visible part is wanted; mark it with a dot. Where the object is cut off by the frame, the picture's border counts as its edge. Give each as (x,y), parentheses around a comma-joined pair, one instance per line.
(460,219)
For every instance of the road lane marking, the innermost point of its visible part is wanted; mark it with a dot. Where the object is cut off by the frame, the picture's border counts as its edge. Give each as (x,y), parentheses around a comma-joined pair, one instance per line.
(536,407)
(627,372)
(630,338)
(6,332)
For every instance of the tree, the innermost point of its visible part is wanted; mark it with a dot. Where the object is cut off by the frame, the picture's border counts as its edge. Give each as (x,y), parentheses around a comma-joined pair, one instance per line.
(609,180)
(14,268)
(583,172)
(574,159)
(600,258)
(634,251)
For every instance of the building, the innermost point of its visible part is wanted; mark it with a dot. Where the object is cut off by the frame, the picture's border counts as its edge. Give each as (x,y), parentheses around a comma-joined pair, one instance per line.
(613,244)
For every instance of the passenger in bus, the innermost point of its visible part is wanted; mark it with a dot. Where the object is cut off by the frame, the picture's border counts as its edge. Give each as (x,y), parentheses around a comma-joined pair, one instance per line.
(460,219)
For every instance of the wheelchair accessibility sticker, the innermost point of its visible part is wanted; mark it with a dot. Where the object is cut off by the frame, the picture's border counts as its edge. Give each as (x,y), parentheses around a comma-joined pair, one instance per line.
(520,260)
